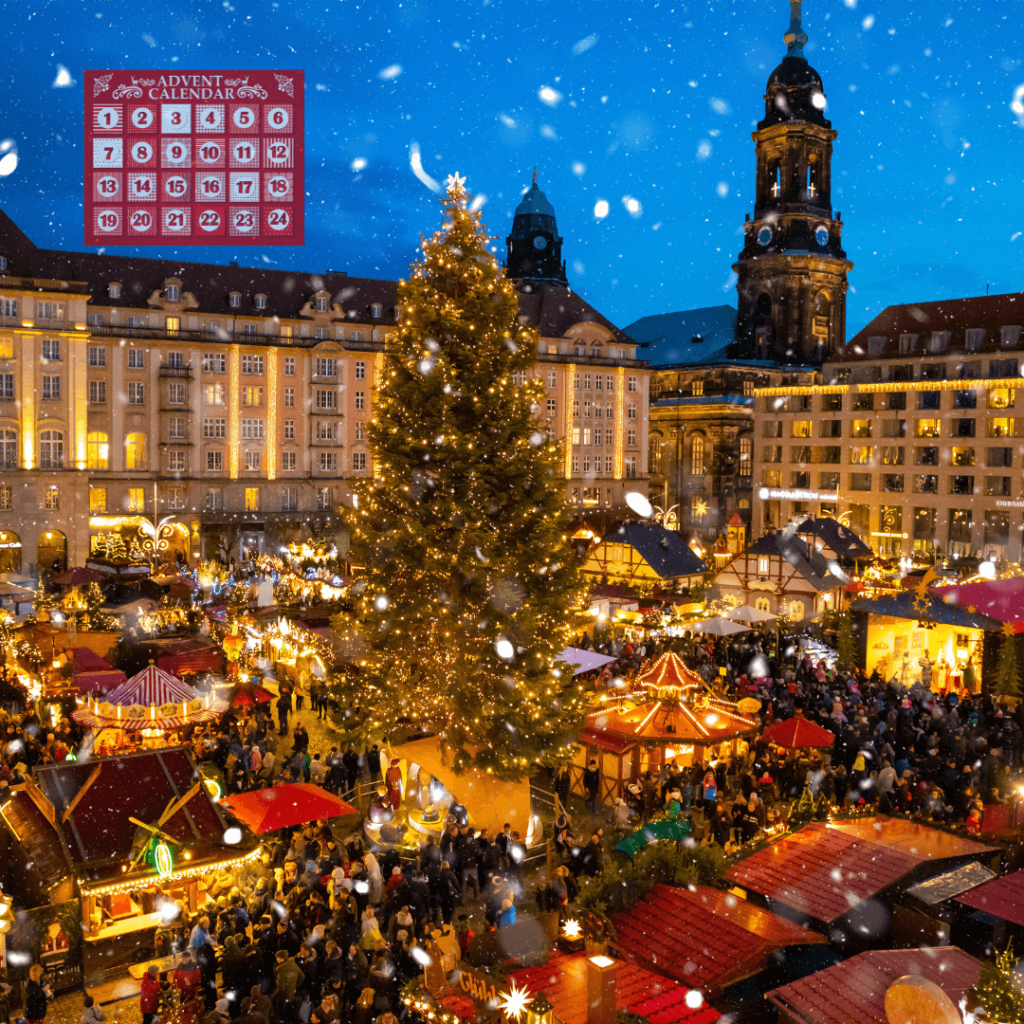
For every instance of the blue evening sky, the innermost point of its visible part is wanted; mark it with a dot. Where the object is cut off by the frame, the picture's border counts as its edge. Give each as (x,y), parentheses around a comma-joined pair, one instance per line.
(644,104)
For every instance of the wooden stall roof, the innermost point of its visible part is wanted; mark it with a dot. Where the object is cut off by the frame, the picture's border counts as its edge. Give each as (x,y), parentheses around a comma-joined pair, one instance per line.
(854,990)
(1002,897)
(824,870)
(704,937)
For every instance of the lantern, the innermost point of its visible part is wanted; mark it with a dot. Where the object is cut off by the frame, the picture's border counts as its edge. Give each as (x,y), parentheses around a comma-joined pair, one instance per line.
(233,645)
(540,1011)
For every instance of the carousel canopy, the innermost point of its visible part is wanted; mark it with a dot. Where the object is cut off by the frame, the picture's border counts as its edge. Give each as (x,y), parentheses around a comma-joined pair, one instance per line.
(706,721)
(291,803)
(669,673)
(153,699)
(798,734)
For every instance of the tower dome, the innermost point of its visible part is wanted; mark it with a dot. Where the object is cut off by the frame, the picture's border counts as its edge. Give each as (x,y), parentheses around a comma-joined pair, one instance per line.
(794,91)
(534,245)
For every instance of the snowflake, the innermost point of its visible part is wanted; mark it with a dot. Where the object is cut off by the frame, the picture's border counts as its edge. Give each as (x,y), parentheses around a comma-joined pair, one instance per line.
(101,84)
(285,84)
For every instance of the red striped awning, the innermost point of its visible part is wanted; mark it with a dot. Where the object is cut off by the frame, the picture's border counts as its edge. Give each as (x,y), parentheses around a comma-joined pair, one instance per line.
(153,686)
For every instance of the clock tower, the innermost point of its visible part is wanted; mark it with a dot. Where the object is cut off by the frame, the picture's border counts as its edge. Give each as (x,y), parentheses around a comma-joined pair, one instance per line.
(792,269)
(534,246)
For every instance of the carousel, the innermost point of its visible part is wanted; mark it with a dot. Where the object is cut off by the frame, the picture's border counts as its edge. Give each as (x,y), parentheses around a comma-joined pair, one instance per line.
(669,716)
(146,712)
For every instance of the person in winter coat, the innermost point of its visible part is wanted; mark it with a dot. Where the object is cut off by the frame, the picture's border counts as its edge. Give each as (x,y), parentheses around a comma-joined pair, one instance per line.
(507,917)
(591,785)
(188,978)
(35,996)
(91,1013)
(149,997)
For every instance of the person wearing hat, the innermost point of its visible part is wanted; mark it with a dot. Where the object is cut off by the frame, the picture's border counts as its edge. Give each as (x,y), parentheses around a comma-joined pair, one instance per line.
(187,978)
(149,996)
(494,899)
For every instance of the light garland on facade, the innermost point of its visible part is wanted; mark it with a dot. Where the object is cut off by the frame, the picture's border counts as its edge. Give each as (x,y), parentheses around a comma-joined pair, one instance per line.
(802,389)
(570,398)
(28,402)
(988,384)
(78,360)
(233,390)
(193,871)
(271,414)
(620,420)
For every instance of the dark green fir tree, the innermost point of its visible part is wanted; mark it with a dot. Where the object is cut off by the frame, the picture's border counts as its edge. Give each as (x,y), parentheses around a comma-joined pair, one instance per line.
(472,586)
(1008,669)
(846,647)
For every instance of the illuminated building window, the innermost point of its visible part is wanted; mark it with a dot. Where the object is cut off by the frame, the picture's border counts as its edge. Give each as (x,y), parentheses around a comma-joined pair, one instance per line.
(697,388)
(928,428)
(1002,426)
(252,397)
(575,435)
(135,451)
(586,435)
(5,498)
(97,451)
(697,456)
(323,499)
(173,325)
(51,498)
(51,449)
(252,499)
(861,428)
(746,456)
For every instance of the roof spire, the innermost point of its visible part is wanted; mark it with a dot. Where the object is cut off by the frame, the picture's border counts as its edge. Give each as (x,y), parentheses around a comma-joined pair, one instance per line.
(535,174)
(795,37)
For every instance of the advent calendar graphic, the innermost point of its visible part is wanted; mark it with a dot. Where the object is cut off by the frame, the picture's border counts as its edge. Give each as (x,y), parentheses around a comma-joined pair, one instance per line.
(194,157)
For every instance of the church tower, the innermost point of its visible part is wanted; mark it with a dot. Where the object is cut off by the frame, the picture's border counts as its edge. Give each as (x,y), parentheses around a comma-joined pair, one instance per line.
(792,269)
(534,246)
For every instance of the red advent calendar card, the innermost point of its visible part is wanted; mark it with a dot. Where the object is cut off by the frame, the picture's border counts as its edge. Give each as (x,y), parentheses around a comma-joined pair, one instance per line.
(194,157)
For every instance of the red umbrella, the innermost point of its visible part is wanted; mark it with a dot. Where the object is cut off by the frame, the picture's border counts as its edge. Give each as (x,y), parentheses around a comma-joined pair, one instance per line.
(284,805)
(257,695)
(798,733)
(79,577)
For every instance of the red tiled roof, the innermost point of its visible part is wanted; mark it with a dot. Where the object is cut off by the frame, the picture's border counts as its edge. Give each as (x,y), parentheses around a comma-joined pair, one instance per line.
(855,989)
(563,980)
(1002,897)
(919,841)
(821,871)
(704,937)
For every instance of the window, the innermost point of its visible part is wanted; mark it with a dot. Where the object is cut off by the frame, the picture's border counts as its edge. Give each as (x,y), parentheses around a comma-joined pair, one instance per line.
(763,565)
(326,399)
(176,462)
(974,337)
(962,456)
(938,341)
(97,392)
(289,366)
(1009,337)
(831,428)
(907,343)
(176,360)
(97,355)
(327,367)
(136,359)
(328,462)
(360,401)
(928,428)
(802,428)
(360,427)
(997,486)
(607,463)
(894,428)
(173,325)
(860,481)
(926,456)
(51,498)
(876,343)
(176,428)
(289,398)
(697,456)
(630,467)
(50,311)
(631,384)
(1000,426)
(252,499)
(630,438)
(8,449)
(214,499)
(324,430)
(252,430)
(376,310)
(51,387)
(552,379)
(290,499)
(697,388)
(631,411)
(360,370)
(8,307)
(519,378)
(896,400)
(97,451)
(1000,456)
(288,460)
(831,403)
(215,362)
(575,435)
(961,485)
(586,435)
(926,484)
(965,399)
(828,481)
(252,397)
(359,461)
(892,482)
(136,393)
(252,461)
(51,449)
(864,403)
(136,499)
(175,394)
(252,365)
(214,427)
(215,461)
(134,321)
(599,436)
(323,499)
(320,304)
(289,430)
(135,451)
(830,455)
(861,455)
(97,499)
(234,300)
(1003,368)
(586,463)
(929,400)
(963,428)
(771,428)
(552,407)
(321,334)
(800,453)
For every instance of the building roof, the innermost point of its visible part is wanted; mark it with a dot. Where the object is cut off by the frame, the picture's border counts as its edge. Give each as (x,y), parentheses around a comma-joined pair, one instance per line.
(854,990)
(704,937)
(1001,897)
(687,337)
(705,722)
(988,312)
(665,551)
(823,871)
(534,203)
(551,310)
(951,883)
(999,599)
(563,980)
(837,537)
(905,604)
(814,566)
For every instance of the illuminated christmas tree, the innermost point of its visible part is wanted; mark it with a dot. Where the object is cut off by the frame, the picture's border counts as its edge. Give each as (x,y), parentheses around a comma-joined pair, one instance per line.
(846,645)
(1008,669)
(999,990)
(472,585)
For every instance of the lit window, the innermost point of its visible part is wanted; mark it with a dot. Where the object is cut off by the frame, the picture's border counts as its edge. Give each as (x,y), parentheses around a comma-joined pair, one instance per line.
(215,461)
(173,324)
(9,449)
(252,499)
(135,451)
(763,564)
(213,394)
(97,499)
(176,462)
(252,463)
(252,396)
(323,499)
(697,456)
(136,499)
(51,499)
(97,451)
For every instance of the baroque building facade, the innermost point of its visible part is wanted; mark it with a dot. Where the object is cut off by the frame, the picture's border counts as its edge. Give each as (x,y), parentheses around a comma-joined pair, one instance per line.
(215,411)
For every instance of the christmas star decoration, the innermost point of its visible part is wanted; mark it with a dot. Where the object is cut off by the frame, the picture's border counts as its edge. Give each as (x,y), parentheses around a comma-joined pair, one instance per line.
(700,509)
(921,598)
(455,181)
(1008,629)
(515,1002)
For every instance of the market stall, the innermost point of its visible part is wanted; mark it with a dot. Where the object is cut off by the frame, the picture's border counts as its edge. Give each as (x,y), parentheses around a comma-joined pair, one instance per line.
(147,711)
(93,673)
